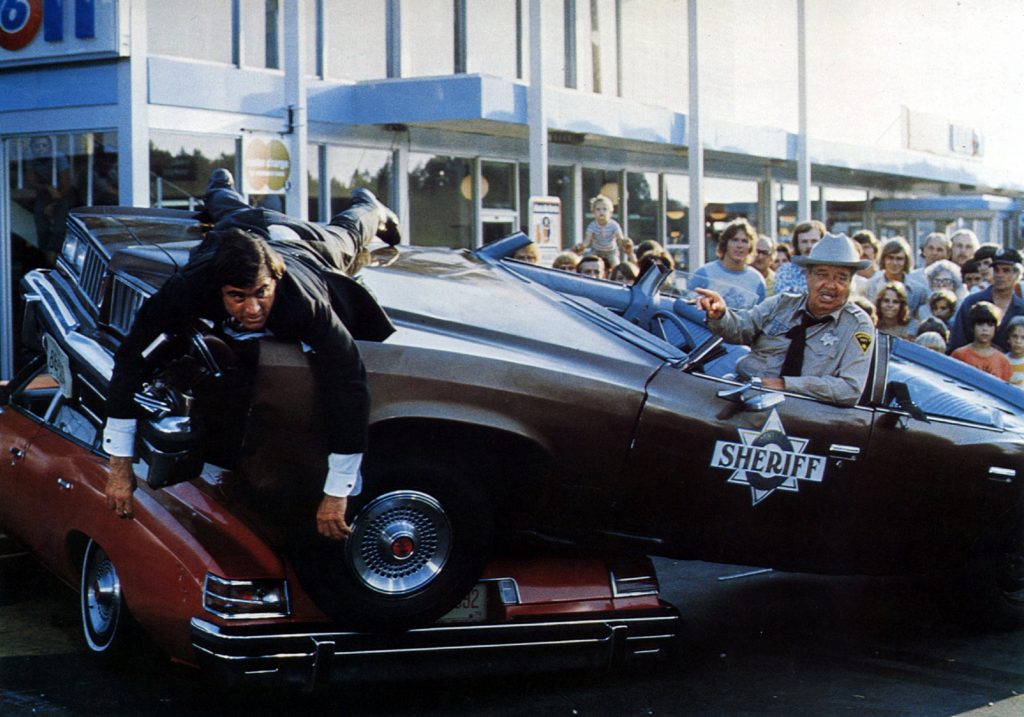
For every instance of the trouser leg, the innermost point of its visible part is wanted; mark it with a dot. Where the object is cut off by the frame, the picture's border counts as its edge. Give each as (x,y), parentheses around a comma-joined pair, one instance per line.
(222,202)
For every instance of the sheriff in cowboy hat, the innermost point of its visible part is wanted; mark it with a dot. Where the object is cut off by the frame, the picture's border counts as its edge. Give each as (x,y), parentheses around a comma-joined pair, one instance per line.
(817,344)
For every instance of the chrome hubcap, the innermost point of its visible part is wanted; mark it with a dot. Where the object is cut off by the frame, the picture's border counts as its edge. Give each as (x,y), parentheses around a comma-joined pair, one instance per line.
(101,597)
(400,542)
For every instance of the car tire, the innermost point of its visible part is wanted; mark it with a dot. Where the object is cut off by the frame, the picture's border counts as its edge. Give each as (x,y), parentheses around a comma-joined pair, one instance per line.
(422,534)
(993,587)
(105,618)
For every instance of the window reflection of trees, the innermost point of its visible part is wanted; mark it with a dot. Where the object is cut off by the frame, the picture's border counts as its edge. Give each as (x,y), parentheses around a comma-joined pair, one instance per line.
(439,214)
(179,179)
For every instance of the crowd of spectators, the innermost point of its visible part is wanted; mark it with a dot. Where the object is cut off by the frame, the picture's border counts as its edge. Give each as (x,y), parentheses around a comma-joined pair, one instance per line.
(930,298)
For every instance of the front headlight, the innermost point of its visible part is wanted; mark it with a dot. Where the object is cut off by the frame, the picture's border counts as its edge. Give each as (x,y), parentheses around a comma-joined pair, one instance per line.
(73,253)
(245,599)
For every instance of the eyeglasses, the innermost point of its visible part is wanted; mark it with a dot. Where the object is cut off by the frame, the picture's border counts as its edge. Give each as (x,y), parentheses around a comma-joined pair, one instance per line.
(943,281)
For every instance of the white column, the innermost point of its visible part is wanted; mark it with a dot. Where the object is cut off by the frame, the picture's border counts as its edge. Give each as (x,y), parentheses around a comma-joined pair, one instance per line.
(695,146)
(538,120)
(297,189)
(803,160)
(6,279)
(133,110)
(768,214)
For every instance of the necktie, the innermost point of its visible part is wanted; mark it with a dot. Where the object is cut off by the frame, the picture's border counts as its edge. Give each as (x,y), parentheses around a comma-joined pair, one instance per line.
(794,361)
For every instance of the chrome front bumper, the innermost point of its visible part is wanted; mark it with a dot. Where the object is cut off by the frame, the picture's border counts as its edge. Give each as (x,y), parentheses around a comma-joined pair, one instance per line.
(258,655)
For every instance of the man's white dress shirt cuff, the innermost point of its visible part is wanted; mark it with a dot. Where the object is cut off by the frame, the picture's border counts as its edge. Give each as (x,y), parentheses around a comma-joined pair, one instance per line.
(343,476)
(119,437)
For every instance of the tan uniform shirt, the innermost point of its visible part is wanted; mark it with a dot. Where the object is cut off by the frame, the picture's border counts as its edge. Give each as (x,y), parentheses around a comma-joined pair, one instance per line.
(837,357)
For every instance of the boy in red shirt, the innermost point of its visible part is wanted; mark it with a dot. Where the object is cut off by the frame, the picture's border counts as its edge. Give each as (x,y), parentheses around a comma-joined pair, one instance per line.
(980,353)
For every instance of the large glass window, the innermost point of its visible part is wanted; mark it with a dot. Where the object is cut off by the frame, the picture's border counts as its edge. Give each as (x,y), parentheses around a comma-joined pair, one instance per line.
(491,38)
(260,21)
(198,29)
(498,186)
(654,65)
(49,175)
(350,168)
(357,50)
(643,205)
(180,166)
(428,38)
(677,202)
(724,200)
(439,214)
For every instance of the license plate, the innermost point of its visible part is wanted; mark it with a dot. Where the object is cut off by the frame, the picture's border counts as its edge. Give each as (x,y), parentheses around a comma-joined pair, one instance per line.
(473,607)
(58,365)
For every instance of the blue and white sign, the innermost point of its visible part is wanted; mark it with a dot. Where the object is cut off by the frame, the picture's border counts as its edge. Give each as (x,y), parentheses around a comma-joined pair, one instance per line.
(33,31)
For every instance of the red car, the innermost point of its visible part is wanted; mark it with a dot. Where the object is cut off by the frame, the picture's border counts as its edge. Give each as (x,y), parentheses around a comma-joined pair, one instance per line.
(202,577)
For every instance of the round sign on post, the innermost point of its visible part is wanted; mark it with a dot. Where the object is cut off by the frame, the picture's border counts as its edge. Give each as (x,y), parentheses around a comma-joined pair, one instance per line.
(268,166)
(19,22)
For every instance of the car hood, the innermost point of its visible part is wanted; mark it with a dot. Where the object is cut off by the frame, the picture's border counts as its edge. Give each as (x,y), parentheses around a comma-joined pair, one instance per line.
(454,296)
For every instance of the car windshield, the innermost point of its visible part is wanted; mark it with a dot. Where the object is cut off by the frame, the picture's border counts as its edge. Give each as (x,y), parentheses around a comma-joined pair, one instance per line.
(943,386)
(679,284)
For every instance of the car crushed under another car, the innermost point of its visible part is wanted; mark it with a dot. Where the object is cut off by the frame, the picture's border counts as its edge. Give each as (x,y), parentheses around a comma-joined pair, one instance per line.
(518,404)
(211,581)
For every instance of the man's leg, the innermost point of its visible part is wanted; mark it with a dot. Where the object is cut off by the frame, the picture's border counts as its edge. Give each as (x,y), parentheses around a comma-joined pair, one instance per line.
(367,218)
(341,240)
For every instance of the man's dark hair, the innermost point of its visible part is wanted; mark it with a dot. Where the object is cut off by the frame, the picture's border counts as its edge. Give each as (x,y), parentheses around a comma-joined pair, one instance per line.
(987,250)
(646,246)
(803,228)
(866,236)
(239,258)
(970,266)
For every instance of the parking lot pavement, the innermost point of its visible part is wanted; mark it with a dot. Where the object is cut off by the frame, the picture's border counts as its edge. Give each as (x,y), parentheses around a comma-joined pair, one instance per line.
(753,644)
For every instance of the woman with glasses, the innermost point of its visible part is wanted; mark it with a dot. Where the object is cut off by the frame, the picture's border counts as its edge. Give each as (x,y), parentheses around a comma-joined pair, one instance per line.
(942,275)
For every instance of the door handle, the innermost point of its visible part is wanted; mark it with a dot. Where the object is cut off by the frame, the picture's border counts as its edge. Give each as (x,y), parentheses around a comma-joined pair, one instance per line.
(17,452)
(843,453)
(64,484)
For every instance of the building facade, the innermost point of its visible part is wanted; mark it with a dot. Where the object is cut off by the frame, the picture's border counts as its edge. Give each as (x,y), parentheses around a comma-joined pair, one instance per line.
(442,108)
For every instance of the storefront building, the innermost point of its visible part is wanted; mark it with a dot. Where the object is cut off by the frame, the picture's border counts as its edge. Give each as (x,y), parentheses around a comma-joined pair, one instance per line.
(433,106)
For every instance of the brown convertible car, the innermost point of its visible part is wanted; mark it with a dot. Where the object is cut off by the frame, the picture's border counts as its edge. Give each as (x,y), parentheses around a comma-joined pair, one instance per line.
(519,404)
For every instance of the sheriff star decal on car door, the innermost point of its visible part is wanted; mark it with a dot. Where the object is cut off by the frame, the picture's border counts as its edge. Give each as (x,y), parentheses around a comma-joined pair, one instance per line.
(768,459)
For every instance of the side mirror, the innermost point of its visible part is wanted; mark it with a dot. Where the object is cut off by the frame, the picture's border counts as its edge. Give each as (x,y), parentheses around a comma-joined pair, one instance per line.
(899,394)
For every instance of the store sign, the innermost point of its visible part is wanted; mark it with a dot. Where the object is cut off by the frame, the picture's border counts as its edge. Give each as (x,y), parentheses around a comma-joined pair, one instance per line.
(546,226)
(267,164)
(51,30)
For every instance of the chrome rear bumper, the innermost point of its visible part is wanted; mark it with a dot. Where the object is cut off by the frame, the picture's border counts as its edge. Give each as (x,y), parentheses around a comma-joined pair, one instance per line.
(256,655)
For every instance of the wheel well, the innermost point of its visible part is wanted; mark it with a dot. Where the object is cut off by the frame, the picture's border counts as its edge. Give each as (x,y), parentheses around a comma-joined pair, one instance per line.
(77,543)
(511,466)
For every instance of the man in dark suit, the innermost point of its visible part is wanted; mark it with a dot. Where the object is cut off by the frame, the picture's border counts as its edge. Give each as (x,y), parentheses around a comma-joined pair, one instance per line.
(261,275)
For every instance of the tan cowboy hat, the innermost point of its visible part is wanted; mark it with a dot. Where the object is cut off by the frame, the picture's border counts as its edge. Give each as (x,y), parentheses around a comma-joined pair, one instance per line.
(833,250)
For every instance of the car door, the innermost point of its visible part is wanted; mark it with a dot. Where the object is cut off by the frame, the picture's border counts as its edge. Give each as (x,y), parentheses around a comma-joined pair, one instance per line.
(940,472)
(50,439)
(720,478)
